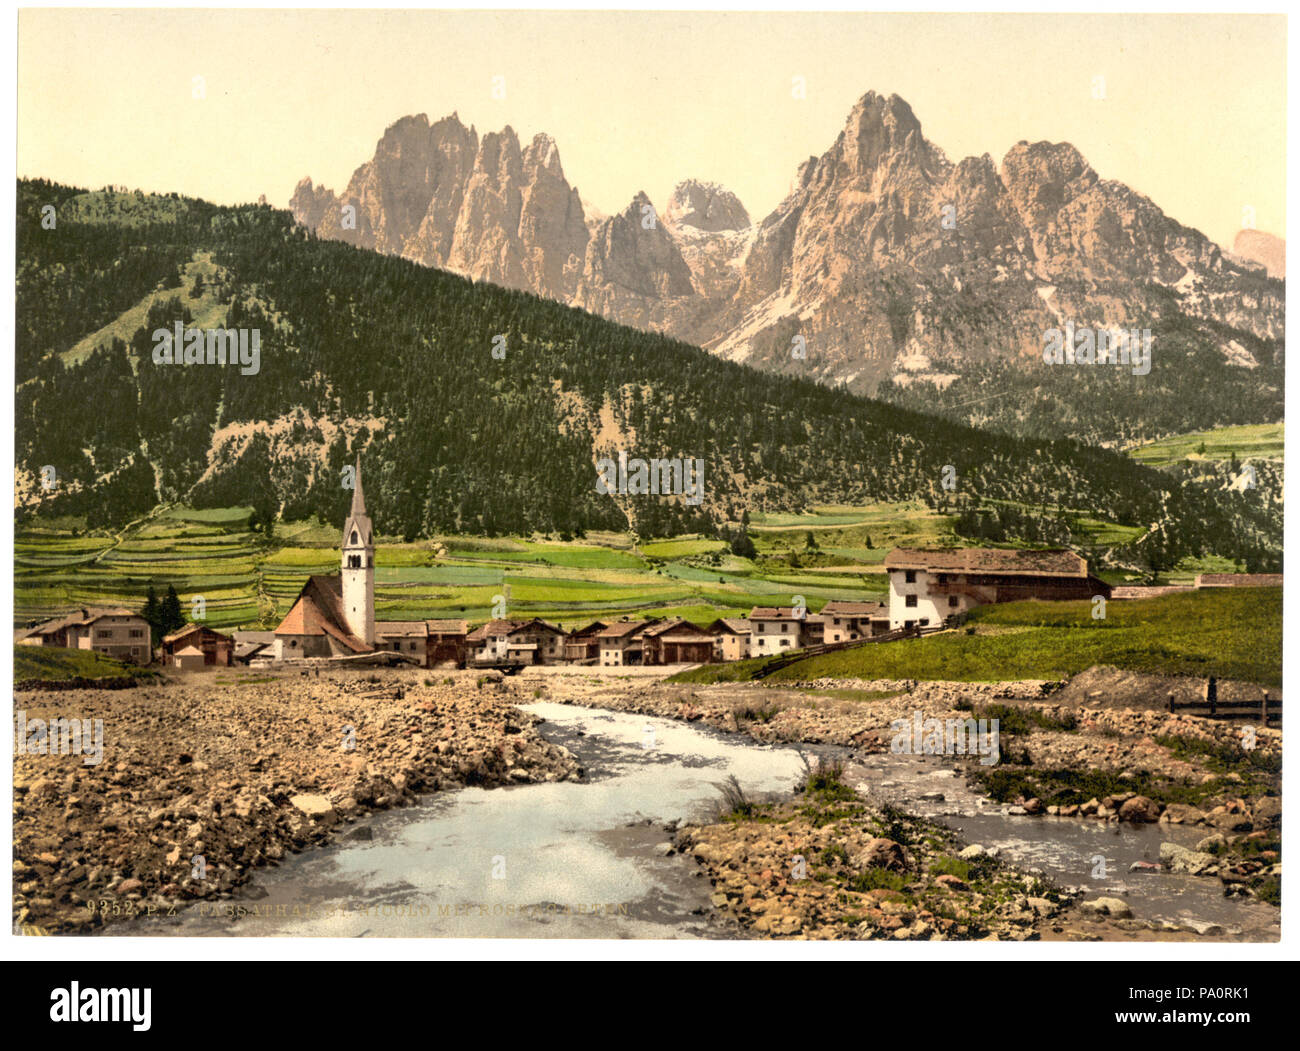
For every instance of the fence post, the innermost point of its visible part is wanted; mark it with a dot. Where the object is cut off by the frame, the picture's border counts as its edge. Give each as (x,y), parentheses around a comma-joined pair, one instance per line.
(1171,704)
(1263,710)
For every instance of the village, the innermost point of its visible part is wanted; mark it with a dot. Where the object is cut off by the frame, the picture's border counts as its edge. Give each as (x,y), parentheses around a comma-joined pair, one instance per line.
(332,621)
(314,677)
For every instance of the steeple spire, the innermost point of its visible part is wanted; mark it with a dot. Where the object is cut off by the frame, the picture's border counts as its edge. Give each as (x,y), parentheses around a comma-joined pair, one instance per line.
(358,497)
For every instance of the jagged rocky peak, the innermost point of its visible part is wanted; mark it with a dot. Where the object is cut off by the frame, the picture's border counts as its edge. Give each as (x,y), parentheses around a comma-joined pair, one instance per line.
(309,203)
(705,206)
(544,154)
(877,127)
(1042,176)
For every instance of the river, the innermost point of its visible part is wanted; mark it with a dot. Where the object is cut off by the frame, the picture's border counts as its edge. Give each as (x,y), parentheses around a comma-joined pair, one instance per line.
(588,859)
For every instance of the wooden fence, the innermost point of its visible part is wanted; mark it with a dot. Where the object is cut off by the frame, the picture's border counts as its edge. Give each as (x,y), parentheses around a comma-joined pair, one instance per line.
(1264,709)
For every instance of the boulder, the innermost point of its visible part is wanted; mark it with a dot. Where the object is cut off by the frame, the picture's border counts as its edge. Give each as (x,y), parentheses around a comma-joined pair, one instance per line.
(316,807)
(881,854)
(1181,814)
(1268,811)
(1192,862)
(1139,810)
(1112,907)
(1226,821)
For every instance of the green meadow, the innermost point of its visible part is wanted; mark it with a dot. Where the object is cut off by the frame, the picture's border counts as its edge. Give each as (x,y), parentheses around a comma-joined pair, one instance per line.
(40,662)
(1234,634)
(1264,441)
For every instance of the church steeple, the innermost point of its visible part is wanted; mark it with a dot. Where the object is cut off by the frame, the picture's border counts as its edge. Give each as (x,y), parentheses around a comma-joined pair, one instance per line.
(359,566)
(358,497)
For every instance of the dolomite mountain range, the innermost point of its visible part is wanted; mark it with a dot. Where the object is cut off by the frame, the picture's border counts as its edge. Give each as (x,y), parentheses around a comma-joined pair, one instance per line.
(884,257)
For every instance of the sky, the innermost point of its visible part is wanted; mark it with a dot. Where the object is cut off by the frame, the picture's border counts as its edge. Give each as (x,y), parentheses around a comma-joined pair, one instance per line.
(1189,110)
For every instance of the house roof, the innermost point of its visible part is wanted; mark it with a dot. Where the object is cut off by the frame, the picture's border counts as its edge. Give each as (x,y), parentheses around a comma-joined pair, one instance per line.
(318,610)
(494,628)
(1011,561)
(390,629)
(80,618)
(625,629)
(779,613)
(447,627)
(1239,580)
(678,629)
(672,624)
(537,624)
(837,608)
(594,628)
(730,625)
(189,629)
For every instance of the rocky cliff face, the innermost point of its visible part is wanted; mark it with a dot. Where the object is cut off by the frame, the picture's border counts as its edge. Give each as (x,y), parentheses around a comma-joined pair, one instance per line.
(885,254)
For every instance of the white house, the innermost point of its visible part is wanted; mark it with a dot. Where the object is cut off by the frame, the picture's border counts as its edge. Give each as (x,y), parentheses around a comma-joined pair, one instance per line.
(927,586)
(777,629)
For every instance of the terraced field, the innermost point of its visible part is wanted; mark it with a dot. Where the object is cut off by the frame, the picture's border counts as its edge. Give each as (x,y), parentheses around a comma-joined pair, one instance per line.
(249,583)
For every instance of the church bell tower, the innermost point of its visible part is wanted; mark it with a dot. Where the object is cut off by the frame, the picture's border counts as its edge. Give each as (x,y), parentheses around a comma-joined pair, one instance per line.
(359,567)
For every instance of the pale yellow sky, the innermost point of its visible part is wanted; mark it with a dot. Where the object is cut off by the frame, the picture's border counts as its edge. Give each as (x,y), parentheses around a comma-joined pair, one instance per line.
(1194,113)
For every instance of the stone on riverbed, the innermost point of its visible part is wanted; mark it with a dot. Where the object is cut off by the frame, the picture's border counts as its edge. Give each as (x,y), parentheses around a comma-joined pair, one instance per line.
(316,807)
(1180,859)
(1112,907)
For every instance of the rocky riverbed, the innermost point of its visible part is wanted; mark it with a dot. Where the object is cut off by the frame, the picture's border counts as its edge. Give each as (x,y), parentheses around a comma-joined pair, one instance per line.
(206,777)
(1057,760)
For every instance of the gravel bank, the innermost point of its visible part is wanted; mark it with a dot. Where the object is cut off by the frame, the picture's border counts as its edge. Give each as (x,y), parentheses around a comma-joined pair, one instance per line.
(207,777)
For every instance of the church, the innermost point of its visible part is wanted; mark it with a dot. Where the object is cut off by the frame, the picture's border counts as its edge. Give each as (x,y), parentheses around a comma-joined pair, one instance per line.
(334,616)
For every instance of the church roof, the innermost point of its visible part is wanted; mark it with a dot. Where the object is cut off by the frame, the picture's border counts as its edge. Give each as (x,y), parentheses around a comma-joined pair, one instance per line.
(318,610)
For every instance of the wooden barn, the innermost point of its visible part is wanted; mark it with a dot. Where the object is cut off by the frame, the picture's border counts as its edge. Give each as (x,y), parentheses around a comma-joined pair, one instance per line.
(184,648)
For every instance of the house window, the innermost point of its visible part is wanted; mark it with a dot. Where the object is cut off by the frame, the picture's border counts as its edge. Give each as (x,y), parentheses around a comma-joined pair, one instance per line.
(909,576)
(785,628)
(952,601)
(925,621)
(785,642)
(910,601)
(137,633)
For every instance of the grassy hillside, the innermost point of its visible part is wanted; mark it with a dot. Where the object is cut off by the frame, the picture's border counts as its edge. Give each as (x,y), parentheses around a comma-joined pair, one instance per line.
(1265,441)
(39,662)
(1231,634)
